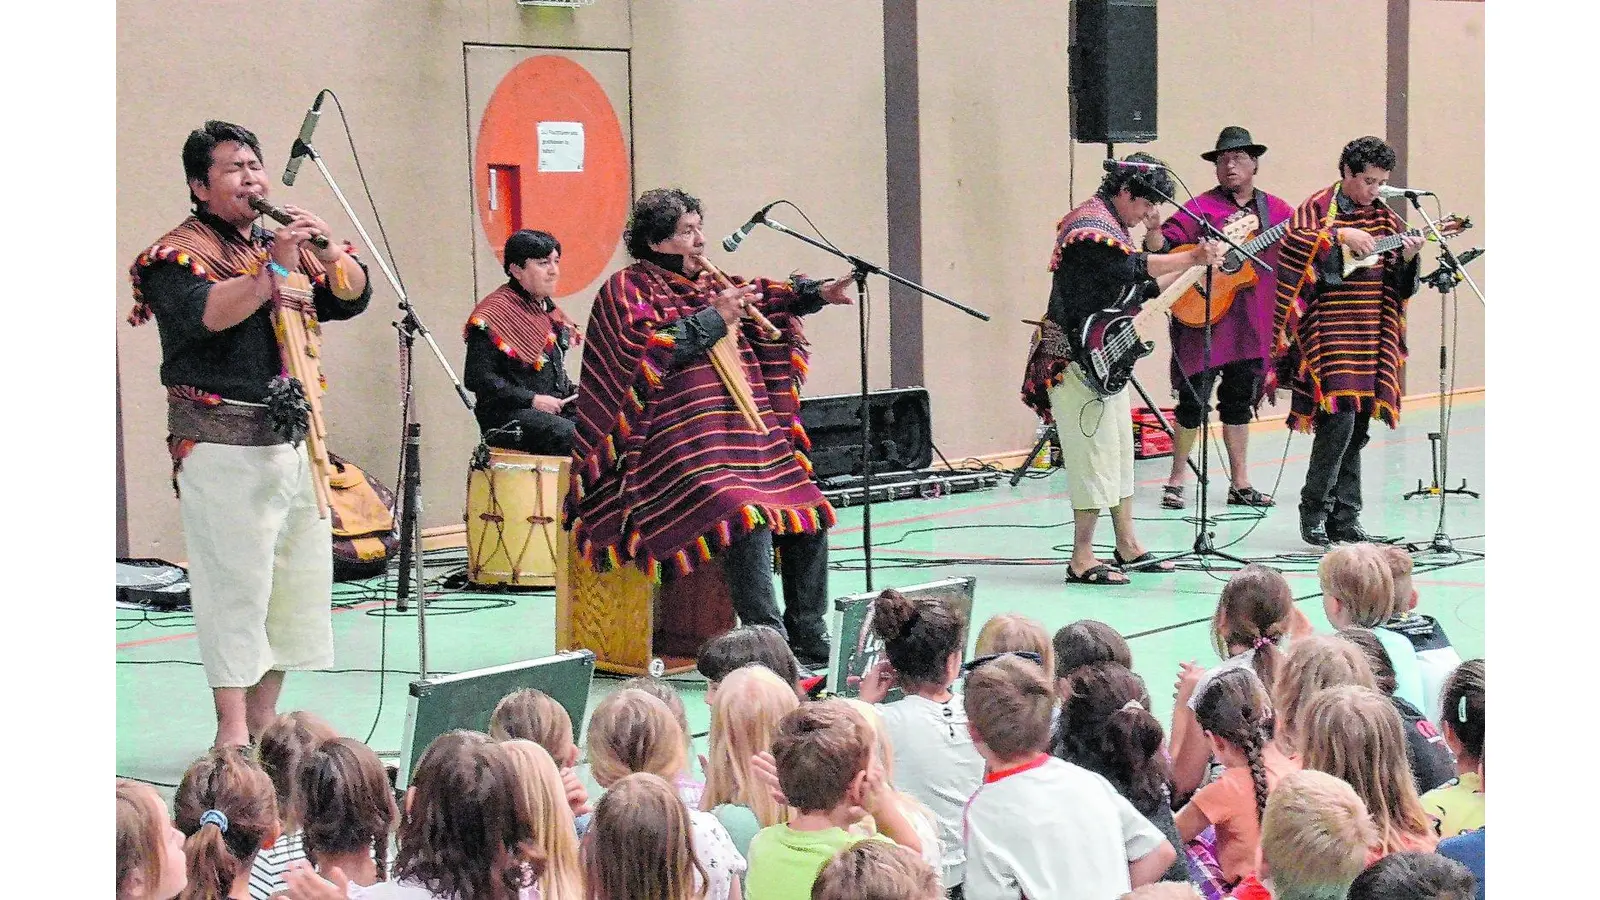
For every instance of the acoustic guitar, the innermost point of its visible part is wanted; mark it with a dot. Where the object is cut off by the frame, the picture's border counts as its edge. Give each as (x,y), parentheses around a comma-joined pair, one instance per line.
(1235,273)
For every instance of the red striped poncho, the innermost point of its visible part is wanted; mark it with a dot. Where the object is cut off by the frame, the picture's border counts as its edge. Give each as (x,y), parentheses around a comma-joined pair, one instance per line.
(518,325)
(1340,346)
(665,469)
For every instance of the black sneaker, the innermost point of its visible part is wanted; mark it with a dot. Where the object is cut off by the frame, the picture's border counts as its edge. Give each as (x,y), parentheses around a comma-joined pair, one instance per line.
(1315,533)
(813,658)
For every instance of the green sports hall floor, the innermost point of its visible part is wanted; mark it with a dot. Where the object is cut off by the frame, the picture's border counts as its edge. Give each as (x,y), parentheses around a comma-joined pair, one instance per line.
(164,715)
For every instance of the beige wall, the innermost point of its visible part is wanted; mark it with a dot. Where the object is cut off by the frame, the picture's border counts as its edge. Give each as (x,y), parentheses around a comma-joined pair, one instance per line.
(742,103)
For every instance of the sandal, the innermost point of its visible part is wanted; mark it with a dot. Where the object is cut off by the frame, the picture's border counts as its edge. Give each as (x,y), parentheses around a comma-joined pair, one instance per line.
(1248,497)
(1099,574)
(1144,562)
(1172,496)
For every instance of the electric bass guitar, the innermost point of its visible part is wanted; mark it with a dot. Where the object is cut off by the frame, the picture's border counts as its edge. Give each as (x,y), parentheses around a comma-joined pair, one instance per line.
(1449,226)
(1235,273)
(1112,340)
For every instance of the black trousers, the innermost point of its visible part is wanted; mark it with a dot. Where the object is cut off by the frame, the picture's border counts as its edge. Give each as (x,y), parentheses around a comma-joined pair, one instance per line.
(804,562)
(1236,395)
(532,431)
(1332,492)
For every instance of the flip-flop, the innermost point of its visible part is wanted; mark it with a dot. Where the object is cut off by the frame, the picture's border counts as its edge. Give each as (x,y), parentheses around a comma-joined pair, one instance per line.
(1098,574)
(1248,497)
(1145,562)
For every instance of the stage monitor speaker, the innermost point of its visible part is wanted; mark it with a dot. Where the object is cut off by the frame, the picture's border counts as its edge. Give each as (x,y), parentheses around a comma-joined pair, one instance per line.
(1111,71)
(901,431)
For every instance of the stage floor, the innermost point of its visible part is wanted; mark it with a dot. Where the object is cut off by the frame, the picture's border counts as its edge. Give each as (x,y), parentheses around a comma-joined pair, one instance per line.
(1014,540)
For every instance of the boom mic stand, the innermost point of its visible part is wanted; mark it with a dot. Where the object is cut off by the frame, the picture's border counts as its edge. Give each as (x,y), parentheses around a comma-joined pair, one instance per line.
(1204,539)
(410,481)
(860,269)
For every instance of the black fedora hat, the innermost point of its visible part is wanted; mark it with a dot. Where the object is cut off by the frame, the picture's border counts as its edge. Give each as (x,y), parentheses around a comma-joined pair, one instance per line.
(1234,138)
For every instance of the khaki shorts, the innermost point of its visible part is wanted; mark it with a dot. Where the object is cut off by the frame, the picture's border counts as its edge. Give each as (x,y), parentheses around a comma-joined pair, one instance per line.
(260,561)
(1096,436)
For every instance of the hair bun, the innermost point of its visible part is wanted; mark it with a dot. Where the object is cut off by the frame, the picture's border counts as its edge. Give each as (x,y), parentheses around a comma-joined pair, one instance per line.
(893,614)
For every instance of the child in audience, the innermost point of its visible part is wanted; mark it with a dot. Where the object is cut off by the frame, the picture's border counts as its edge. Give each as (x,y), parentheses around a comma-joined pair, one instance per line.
(1357,590)
(227,810)
(1016,633)
(921,819)
(742,646)
(1431,761)
(1436,658)
(1315,837)
(1457,806)
(1250,629)
(934,755)
(1414,876)
(632,731)
(1353,733)
(283,744)
(1467,849)
(876,870)
(1312,664)
(1236,716)
(553,830)
(532,715)
(641,846)
(824,757)
(744,718)
(1041,827)
(1106,727)
(150,861)
(1084,643)
(689,787)
(345,805)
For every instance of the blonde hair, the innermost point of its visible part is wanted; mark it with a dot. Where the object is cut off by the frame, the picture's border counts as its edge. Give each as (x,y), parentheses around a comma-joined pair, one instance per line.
(640,845)
(1315,835)
(876,870)
(533,715)
(1011,632)
(632,731)
(1353,733)
(1400,566)
(750,702)
(140,821)
(883,746)
(553,829)
(1312,664)
(1008,702)
(662,690)
(1357,575)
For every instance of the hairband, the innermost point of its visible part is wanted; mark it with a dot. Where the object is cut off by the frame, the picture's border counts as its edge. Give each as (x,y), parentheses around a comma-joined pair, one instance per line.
(215,817)
(1461,710)
(1133,704)
(1261,641)
(1028,655)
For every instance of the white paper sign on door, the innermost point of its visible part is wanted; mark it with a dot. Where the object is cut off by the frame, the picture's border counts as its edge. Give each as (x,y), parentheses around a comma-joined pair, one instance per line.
(561,146)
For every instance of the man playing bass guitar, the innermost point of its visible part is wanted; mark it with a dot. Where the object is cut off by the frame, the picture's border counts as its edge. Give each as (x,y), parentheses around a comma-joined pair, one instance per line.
(1240,313)
(1094,264)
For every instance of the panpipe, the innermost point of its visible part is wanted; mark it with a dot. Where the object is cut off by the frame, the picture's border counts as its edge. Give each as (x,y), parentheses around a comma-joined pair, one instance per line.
(294,319)
(725,353)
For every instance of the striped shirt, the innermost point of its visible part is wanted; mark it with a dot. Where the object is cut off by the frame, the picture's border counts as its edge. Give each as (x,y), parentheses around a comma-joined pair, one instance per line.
(266,876)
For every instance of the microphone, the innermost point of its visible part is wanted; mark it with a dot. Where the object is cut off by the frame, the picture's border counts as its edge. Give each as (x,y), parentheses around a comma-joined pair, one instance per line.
(1389,192)
(302,144)
(1117,165)
(732,241)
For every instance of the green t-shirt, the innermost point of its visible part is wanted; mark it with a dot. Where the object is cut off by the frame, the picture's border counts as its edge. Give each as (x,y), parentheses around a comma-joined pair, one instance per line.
(784,863)
(741,823)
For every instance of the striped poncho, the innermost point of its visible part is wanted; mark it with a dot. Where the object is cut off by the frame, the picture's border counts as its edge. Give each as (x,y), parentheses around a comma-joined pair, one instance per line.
(1340,341)
(665,469)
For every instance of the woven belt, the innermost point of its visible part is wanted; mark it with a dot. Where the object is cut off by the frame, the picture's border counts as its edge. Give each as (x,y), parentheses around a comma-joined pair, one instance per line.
(228,423)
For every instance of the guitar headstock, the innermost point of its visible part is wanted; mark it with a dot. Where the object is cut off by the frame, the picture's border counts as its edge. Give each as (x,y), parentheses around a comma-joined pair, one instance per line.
(1242,227)
(1452,225)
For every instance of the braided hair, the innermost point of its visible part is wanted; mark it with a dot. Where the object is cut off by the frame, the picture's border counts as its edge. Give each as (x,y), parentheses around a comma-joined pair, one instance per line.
(1234,707)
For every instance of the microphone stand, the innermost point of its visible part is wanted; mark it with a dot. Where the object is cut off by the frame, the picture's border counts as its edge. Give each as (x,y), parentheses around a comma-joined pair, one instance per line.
(410,481)
(1204,543)
(859,270)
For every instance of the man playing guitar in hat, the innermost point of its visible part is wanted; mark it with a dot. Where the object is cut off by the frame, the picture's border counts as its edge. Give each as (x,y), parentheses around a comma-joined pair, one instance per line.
(1241,330)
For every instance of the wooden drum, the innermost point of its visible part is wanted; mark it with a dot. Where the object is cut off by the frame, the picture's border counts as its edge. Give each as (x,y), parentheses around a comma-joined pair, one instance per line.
(628,622)
(514,534)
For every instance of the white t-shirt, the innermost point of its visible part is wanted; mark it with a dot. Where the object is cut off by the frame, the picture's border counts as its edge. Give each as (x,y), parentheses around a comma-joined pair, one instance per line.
(716,853)
(1048,828)
(935,762)
(410,890)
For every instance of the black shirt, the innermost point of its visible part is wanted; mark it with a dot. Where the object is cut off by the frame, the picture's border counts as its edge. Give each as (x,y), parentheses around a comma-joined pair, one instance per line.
(501,385)
(1091,277)
(237,362)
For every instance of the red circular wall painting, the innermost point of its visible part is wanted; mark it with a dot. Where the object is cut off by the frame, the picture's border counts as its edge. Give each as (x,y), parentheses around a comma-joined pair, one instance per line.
(575,187)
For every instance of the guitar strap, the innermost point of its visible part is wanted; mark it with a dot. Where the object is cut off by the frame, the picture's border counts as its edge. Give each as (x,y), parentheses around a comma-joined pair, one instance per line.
(1261,210)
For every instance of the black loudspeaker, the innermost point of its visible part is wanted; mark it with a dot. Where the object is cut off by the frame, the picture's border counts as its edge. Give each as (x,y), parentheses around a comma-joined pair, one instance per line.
(1111,71)
(901,430)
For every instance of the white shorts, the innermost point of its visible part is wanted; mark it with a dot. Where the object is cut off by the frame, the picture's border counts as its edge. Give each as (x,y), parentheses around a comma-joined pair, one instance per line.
(260,561)
(1096,436)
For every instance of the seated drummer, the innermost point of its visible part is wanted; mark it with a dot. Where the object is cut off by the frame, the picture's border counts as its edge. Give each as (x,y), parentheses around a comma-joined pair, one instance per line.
(517,343)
